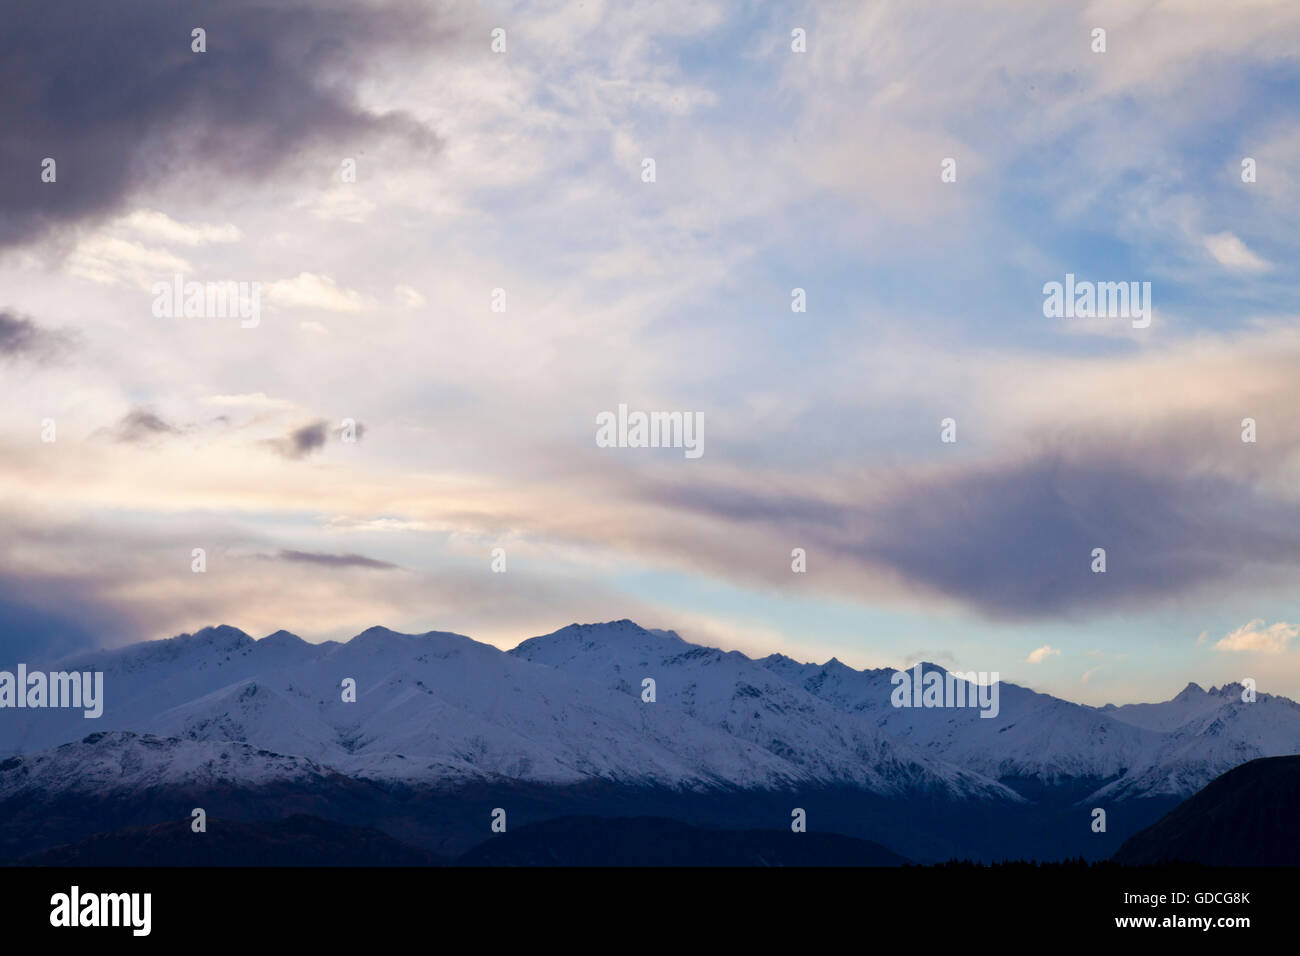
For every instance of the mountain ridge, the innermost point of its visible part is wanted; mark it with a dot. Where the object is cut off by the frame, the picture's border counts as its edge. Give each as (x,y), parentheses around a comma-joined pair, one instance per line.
(567,706)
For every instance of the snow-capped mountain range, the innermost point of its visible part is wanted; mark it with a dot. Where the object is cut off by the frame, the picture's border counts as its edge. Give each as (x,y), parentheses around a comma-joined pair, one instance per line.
(442,709)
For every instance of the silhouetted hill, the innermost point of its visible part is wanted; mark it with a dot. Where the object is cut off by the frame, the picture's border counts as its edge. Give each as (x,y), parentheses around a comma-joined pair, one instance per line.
(299,840)
(1250,816)
(652,841)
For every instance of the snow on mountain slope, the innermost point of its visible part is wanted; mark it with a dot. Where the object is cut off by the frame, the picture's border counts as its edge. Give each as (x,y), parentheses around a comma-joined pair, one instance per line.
(144,680)
(112,762)
(1167,749)
(1192,702)
(1033,735)
(499,711)
(430,706)
(442,708)
(252,710)
(1224,733)
(738,695)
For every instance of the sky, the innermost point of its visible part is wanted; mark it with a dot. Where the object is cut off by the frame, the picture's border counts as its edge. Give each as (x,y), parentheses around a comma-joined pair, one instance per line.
(438,333)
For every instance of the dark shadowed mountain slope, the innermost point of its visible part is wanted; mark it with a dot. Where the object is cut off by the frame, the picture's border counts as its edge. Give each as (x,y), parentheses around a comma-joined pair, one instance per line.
(299,840)
(653,841)
(1250,816)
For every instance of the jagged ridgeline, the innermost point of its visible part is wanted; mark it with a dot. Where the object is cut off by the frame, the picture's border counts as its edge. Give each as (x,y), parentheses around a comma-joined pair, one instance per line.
(421,736)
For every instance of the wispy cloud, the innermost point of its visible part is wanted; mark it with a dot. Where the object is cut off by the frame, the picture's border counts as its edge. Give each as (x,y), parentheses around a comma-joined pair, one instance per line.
(1255,636)
(1040,654)
(162,227)
(310,291)
(335,560)
(1231,252)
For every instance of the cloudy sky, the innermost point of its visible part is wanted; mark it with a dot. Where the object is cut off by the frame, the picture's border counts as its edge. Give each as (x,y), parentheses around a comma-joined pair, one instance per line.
(522,170)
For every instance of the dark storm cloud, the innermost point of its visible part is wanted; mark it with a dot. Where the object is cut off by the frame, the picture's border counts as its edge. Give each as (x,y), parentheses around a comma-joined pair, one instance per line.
(46,618)
(20,337)
(302,441)
(1015,539)
(335,560)
(113,93)
(30,633)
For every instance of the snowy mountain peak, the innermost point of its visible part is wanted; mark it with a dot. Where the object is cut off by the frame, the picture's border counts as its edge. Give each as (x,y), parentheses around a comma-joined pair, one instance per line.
(623,635)
(221,636)
(927,667)
(609,629)
(281,637)
(731,693)
(1192,691)
(378,632)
